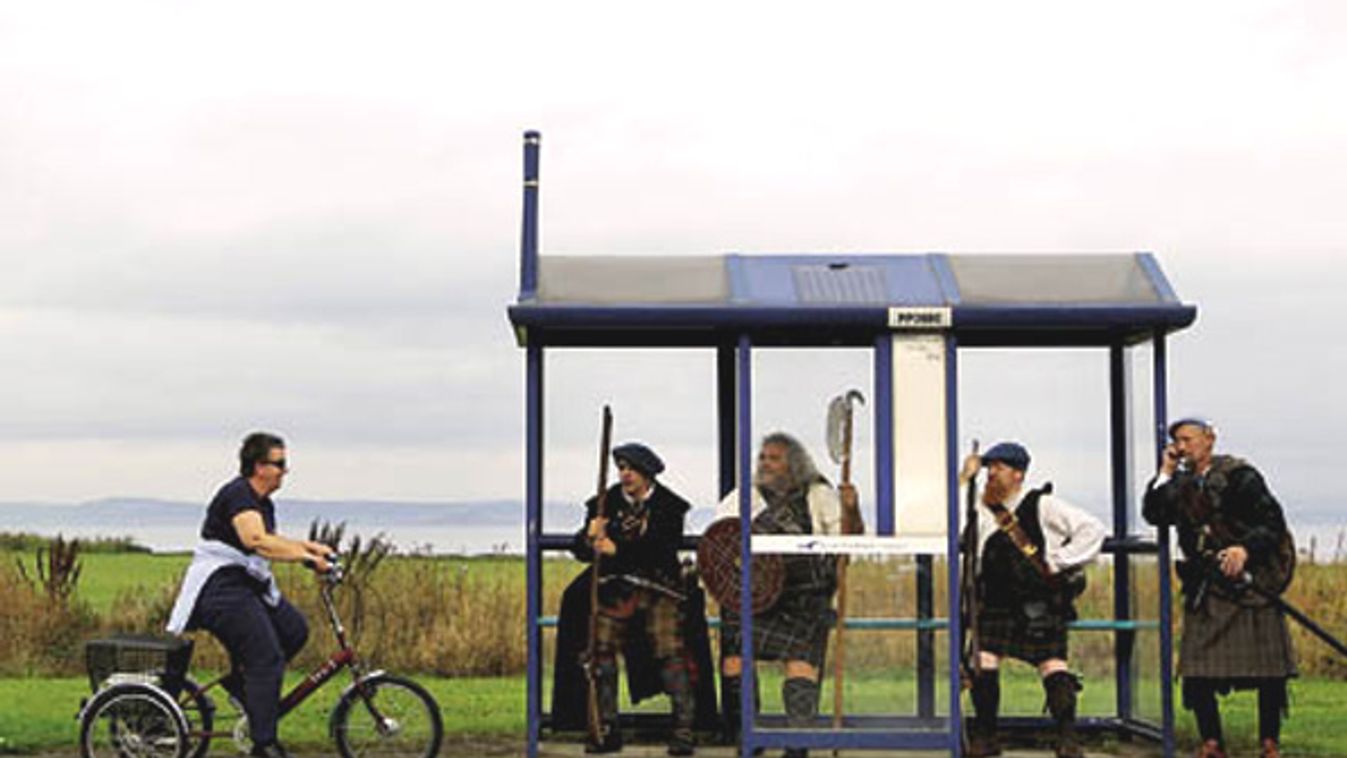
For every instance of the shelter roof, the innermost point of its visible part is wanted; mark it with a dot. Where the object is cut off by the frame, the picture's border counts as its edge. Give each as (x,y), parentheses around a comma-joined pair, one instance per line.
(986,299)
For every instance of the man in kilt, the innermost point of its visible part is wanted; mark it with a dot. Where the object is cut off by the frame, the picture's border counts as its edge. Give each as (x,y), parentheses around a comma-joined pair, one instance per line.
(638,537)
(1231,529)
(789,496)
(1032,547)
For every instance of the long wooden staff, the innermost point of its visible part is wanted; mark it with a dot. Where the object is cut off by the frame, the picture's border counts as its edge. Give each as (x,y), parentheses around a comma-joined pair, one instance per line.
(851,524)
(596,733)
(972,647)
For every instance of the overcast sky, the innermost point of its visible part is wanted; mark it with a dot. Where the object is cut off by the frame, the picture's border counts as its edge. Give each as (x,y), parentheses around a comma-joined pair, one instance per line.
(304,217)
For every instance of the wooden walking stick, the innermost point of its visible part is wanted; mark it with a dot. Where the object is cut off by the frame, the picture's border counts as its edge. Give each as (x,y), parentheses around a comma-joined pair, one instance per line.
(840,423)
(596,728)
(971,644)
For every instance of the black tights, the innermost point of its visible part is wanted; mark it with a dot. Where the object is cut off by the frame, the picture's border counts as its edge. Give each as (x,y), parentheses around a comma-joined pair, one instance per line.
(1199,696)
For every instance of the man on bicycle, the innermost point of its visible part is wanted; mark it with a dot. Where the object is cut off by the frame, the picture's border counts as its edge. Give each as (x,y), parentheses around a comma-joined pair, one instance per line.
(229,589)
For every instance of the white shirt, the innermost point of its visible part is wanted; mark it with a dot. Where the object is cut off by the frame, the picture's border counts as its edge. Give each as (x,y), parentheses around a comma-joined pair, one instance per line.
(1071,536)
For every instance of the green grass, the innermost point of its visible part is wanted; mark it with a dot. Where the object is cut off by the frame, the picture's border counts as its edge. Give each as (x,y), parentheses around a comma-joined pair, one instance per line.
(40,714)
(105,575)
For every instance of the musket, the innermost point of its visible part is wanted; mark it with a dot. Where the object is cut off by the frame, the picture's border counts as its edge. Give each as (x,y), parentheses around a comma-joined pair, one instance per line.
(1244,583)
(596,726)
(972,648)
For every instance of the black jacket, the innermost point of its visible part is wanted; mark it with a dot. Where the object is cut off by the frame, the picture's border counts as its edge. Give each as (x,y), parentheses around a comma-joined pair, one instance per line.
(647,544)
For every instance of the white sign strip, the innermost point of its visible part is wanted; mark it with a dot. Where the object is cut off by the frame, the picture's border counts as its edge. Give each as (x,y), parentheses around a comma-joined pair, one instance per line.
(857,544)
(920,317)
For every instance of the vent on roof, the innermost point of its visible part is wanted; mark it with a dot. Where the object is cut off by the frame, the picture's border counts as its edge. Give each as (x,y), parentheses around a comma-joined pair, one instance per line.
(839,283)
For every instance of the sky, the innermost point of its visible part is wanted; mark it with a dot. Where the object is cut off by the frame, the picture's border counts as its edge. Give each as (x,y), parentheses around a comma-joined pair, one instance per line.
(304,217)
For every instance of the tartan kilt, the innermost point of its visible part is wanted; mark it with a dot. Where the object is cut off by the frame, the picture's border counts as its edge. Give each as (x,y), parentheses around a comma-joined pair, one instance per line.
(655,614)
(1006,632)
(796,629)
(1226,640)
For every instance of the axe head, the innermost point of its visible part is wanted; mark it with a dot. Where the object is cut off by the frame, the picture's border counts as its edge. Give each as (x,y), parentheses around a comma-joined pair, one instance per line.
(839,423)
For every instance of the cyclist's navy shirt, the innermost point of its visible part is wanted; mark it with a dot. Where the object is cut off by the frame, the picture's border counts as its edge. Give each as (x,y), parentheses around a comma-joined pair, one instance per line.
(232,499)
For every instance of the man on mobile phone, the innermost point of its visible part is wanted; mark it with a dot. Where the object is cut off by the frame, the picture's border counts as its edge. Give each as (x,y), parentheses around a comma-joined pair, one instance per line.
(1232,531)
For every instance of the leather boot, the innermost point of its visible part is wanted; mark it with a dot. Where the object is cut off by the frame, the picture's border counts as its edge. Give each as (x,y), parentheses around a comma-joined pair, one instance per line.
(1270,749)
(1210,749)
(1061,688)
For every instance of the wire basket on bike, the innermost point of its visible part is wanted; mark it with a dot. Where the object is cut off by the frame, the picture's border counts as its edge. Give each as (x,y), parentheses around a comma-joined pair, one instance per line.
(162,661)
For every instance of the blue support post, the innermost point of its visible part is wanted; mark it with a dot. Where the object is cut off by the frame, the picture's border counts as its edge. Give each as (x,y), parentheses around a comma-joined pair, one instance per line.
(1161,399)
(528,242)
(952,544)
(725,416)
(884,508)
(533,504)
(746,654)
(1120,455)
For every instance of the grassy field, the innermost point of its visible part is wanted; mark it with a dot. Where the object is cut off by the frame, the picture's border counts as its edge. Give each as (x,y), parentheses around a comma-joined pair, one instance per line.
(40,714)
(461,631)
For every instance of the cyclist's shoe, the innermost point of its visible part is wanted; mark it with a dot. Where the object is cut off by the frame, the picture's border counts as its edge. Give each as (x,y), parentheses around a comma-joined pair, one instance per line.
(270,750)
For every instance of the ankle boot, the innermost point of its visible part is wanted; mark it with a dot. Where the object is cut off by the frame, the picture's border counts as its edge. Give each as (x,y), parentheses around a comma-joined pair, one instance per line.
(1061,688)
(1210,749)
(1270,749)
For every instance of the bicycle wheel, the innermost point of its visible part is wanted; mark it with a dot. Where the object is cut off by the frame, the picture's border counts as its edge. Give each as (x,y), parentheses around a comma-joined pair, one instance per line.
(387,716)
(198,709)
(133,721)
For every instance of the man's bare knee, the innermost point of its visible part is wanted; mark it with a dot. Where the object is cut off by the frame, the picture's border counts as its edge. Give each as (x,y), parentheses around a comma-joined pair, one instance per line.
(1051,666)
(801,669)
(732,665)
(988,661)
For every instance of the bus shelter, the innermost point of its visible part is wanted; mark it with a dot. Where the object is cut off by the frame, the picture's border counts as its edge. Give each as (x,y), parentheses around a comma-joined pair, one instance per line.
(915,313)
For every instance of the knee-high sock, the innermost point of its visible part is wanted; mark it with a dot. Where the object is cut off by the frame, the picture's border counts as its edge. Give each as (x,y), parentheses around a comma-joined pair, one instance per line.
(801,698)
(1060,688)
(730,689)
(674,674)
(1199,696)
(606,676)
(986,700)
(1271,705)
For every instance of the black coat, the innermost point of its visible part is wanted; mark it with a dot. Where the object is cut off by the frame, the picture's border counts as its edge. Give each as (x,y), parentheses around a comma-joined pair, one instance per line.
(651,553)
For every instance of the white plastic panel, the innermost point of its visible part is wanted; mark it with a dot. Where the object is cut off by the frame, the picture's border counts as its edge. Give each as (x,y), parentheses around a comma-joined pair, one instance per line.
(919,460)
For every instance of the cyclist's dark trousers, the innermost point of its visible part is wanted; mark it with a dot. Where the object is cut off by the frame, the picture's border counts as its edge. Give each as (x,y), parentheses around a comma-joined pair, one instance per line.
(260,639)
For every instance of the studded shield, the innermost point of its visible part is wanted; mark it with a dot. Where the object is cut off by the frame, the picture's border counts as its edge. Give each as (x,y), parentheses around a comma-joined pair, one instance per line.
(718,563)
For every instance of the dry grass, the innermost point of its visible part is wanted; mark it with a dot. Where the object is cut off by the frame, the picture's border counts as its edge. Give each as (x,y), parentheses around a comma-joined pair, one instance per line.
(465,617)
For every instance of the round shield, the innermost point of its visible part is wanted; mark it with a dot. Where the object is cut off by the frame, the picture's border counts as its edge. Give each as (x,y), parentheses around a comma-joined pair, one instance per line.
(718,563)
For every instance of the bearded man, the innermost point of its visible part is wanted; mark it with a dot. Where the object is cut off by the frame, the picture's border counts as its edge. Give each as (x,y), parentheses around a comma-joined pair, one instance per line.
(789,496)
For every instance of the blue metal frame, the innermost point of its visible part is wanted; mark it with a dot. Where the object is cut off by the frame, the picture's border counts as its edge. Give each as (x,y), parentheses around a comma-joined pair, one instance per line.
(1161,400)
(1120,457)
(955,730)
(1013,321)
(748,672)
(528,243)
(883,404)
(733,332)
(533,498)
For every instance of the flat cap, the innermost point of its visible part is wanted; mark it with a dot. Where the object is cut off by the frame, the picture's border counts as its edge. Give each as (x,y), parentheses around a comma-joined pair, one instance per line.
(1012,454)
(639,457)
(1197,421)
